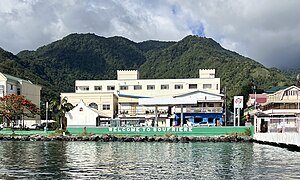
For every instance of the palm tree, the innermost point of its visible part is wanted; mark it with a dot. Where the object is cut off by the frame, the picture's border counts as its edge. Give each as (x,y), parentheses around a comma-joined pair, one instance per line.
(59,110)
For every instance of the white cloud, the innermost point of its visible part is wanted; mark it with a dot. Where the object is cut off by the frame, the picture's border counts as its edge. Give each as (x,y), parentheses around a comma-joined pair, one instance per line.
(265,30)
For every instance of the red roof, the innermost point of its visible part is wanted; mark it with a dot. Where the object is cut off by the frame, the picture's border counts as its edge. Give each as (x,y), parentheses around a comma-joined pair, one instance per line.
(260,98)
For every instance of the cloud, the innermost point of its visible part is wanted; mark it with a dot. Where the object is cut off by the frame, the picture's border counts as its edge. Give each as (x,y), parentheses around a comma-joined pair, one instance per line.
(264,30)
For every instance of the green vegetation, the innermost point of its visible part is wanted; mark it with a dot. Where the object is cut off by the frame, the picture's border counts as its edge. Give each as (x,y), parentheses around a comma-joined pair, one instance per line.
(60,132)
(247,132)
(59,109)
(86,134)
(291,73)
(16,105)
(168,135)
(87,56)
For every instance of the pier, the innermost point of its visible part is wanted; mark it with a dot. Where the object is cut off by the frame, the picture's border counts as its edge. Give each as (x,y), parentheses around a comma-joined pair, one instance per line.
(283,132)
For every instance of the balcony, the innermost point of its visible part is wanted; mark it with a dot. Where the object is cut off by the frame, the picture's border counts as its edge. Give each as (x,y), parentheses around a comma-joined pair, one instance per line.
(204,109)
(134,112)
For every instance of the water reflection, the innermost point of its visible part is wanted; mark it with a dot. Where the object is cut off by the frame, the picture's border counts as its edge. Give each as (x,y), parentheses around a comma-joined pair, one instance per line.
(116,160)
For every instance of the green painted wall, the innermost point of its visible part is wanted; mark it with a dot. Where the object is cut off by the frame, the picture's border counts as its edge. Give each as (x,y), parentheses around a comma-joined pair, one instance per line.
(151,131)
(144,131)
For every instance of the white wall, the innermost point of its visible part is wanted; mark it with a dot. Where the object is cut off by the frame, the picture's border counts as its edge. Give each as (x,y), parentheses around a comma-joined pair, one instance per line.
(158,92)
(285,138)
(81,116)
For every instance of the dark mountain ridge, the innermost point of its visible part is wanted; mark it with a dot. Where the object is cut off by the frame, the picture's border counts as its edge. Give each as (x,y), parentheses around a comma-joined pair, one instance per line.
(57,65)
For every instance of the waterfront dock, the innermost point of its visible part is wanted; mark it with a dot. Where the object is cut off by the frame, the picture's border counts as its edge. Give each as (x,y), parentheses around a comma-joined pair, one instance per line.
(282,132)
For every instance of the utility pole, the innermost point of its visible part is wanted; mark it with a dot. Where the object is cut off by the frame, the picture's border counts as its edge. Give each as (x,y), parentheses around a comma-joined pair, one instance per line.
(298,92)
(225,116)
(46,116)
(254,97)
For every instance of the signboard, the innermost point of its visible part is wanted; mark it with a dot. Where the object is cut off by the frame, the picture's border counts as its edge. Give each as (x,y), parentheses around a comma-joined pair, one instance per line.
(238,101)
(148,129)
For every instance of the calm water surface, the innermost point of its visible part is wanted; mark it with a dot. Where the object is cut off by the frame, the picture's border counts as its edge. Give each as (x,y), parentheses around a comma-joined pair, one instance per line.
(116,160)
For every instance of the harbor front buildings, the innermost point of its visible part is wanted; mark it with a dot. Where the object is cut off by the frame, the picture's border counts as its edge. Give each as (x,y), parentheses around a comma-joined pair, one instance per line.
(280,110)
(14,85)
(121,99)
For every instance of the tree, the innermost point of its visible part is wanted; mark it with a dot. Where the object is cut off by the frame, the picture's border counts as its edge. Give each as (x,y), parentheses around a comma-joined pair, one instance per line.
(59,110)
(16,105)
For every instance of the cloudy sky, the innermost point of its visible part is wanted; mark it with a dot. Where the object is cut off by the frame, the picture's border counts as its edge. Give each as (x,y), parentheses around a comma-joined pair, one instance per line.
(267,31)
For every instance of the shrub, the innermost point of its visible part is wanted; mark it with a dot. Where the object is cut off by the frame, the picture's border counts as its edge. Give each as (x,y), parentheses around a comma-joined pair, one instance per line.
(86,134)
(60,132)
(168,135)
(248,132)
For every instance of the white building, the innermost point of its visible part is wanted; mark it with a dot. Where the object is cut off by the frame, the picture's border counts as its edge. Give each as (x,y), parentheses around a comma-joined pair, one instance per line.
(120,98)
(282,106)
(284,102)
(83,116)
(14,85)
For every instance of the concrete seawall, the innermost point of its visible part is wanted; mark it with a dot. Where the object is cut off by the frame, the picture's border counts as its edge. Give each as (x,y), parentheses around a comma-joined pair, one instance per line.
(286,140)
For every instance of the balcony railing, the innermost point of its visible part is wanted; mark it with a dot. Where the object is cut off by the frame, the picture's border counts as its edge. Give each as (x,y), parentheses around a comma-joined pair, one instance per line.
(205,109)
(140,111)
(129,111)
(279,125)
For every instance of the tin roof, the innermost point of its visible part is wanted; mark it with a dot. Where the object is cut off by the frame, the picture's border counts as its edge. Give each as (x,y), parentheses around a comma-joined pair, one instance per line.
(13,78)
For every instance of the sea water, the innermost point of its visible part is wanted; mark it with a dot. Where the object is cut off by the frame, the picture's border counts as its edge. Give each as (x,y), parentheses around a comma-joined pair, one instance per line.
(157,160)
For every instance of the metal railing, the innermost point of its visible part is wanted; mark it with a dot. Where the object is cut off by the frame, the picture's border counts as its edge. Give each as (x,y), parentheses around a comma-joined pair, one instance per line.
(205,109)
(279,125)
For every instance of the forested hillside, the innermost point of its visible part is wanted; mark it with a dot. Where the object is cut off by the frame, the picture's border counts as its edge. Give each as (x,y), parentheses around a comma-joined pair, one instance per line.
(291,73)
(238,74)
(10,64)
(87,56)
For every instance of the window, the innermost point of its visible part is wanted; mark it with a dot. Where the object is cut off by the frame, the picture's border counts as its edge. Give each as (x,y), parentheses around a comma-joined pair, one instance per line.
(97,88)
(178,86)
(18,91)
(137,87)
(86,88)
(106,107)
(192,86)
(76,88)
(123,87)
(150,87)
(164,86)
(93,105)
(217,86)
(206,86)
(211,105)
(11,87)
(110,88)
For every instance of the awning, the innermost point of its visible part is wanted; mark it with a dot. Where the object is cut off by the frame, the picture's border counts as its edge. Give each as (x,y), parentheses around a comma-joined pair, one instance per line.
(101,114)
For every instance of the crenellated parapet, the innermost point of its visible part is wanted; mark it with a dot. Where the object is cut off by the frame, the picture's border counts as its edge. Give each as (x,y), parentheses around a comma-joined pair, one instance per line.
(128,74)
(207,73)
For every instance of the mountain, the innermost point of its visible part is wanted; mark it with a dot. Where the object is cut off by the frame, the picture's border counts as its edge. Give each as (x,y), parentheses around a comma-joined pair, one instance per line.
(11,64)
(291,74)
(238,74)
(56,66)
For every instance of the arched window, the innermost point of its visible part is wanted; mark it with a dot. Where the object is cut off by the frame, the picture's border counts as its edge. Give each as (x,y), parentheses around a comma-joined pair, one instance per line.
(93,105)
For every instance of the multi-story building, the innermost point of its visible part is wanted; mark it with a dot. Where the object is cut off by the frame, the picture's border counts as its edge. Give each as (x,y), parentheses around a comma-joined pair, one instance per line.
(281,109)
(14,85)
(284,102)
(120,98)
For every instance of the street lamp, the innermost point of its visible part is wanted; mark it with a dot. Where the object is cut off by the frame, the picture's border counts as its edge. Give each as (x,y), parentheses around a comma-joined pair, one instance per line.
(298,99)
(254,89)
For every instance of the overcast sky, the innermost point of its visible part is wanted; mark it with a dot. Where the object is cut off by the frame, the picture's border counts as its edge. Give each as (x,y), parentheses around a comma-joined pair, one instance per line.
(267,31)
